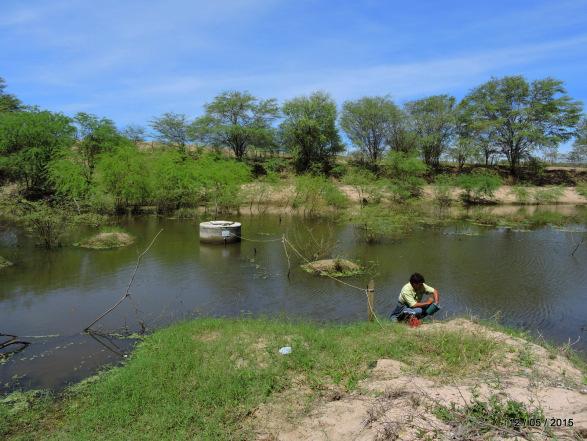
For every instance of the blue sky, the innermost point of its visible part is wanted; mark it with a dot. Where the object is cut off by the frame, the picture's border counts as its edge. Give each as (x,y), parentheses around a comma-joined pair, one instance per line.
(132,60)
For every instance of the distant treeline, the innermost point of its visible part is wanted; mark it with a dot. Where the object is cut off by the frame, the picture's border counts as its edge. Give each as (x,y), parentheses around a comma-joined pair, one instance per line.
(86,157)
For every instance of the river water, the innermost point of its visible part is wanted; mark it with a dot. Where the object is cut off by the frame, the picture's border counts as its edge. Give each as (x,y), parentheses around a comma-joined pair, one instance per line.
(527,278)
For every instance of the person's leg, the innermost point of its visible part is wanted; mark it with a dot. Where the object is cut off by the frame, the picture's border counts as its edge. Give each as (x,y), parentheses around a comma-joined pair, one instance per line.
(412,311)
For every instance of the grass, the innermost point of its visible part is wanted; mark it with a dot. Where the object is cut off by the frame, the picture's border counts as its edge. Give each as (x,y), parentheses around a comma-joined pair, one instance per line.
(493,416)
(202,379)
(582,188)
(108,237)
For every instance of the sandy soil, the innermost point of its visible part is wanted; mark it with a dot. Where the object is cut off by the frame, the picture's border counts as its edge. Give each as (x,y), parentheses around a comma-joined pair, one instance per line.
(392,404)
(108,240)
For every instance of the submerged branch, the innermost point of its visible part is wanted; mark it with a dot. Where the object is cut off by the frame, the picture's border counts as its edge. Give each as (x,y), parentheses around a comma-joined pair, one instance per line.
(127,291)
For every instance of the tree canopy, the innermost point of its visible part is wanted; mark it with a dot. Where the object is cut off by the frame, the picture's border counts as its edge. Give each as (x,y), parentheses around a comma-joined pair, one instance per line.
(517,117)
(8,102)
(433,124)
(309,131)
(172,129)
(237,120)
(369,124)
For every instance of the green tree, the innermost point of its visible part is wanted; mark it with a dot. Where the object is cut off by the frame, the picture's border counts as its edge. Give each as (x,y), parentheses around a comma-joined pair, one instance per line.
(121,175)
(518,117)
(29,141)
(368,124)
(237,120)
(309,131)
(8,102)
(95,136)
(135,133)
(433,123)
(172,129)
(579,151)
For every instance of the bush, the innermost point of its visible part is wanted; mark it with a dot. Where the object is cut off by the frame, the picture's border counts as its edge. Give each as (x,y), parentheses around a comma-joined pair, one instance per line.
(550,195)
(314,193)
(441,190)
(479,186)
(365,183)
(405,173)
(521,193)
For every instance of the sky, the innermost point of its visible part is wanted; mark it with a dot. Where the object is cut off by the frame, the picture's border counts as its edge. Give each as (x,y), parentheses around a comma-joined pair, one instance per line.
(134,60)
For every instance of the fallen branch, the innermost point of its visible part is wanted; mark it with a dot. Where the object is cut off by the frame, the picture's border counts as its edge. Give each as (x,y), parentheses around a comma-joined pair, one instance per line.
(573,253)
(127,291)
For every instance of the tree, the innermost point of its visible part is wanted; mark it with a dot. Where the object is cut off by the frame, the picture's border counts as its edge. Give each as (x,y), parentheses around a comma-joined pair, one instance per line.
(172,129)
(29,141)
(368,124)
(579,151)
(8,102)
(401,137)
(95,136)
(135,133)
(433,123)
(237,120)
(309,131)
(518,117)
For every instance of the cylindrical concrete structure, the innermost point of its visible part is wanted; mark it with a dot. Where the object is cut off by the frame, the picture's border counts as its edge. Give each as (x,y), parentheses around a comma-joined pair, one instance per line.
(220,232)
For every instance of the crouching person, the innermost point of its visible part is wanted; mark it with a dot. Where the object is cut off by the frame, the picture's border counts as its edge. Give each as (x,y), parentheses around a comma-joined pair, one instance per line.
(411,303)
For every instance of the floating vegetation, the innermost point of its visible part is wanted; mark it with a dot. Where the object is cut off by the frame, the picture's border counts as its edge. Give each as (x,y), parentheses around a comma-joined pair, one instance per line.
(107,239)
(334,267)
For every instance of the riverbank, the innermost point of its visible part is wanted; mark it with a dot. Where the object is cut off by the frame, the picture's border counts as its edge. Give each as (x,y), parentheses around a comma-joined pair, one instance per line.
(225,379)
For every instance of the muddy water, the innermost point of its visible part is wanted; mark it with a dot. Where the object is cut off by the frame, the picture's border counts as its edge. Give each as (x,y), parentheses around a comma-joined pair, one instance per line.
(48,297)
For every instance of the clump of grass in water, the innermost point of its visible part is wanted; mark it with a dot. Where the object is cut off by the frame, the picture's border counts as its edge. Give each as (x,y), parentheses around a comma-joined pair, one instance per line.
(108,237)
(334,267)
(202,378)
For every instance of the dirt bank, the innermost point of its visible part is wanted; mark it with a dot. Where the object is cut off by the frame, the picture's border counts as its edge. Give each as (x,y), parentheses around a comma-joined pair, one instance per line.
(394,402)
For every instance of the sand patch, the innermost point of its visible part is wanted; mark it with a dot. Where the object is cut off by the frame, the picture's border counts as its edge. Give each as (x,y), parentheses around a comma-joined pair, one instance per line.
(394,404)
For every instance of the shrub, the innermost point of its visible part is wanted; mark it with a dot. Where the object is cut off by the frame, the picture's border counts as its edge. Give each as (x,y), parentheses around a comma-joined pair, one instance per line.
(479,186)
(314,193)
(521,193)
(550,195)
(365,183)
(441,190)
(405,173)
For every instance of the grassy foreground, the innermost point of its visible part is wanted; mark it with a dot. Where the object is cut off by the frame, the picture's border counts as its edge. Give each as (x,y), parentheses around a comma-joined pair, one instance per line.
(202,379)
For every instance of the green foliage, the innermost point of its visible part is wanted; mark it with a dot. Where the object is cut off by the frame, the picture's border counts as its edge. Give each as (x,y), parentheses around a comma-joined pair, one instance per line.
(479,186)
(176,181)
(581,188)
(375,222)
(8,102)
(68,178)
(47,225)
(221,181)
(518,117)
(95,136)
(578,153)
(521,193)
(237,120)
(548,195)
(121,175)
(315,193)
(29,141)
(496,415)
(442,189)
(433,121)
(309,132)
(368,122)
(172,129)
(405,172)
(366,184)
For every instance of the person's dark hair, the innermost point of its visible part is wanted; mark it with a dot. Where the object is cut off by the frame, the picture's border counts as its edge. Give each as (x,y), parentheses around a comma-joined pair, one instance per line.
(416,278)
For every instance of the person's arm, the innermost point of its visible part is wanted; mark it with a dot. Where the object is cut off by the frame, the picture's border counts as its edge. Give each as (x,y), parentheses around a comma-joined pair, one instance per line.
(436,296)
(422,304)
